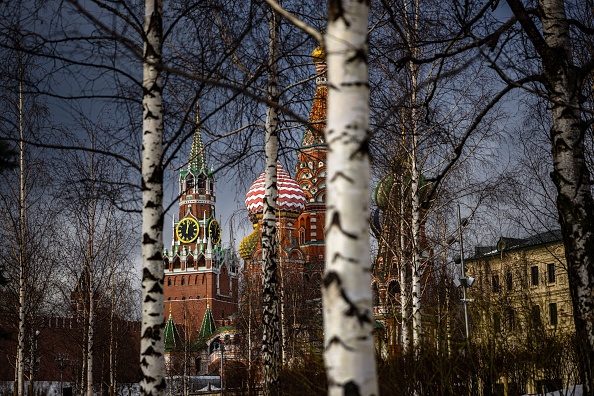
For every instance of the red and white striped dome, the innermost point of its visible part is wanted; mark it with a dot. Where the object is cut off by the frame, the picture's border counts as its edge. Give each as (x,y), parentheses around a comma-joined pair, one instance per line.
(290,196)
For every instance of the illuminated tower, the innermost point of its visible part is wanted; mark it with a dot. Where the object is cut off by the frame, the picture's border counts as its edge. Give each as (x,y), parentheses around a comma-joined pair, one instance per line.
(198,271)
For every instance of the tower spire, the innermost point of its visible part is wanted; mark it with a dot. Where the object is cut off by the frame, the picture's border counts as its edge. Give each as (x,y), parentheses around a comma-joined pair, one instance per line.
(197,156)
(314,133)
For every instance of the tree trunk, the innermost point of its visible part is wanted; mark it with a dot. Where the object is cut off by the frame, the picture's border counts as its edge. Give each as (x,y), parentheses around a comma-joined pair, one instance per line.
(346,292)
(570,175)
(152,347)
(20,369)
(270,317)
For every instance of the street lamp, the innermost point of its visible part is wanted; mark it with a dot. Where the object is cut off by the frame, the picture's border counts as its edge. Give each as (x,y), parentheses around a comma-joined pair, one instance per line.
(463,280)
(62,363)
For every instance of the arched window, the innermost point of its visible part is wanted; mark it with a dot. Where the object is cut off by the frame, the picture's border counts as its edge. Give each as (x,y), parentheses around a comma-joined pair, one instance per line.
(183,281)
(201,180)
(189,182)
(168,281)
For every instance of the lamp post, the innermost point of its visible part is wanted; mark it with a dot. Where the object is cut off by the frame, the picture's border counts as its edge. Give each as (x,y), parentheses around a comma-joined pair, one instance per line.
(62,363)
(463,280)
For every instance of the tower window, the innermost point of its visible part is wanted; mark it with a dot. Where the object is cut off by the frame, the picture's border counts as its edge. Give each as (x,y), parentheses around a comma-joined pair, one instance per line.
(168,281)
(183,281)
(189,182)
(201,181)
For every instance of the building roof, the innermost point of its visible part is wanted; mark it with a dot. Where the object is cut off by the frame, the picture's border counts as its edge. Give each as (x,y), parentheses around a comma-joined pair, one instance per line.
(508,244)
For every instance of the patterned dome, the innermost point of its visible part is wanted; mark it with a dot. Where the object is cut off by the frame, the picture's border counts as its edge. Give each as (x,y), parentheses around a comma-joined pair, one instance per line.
(249,243)
(290,196)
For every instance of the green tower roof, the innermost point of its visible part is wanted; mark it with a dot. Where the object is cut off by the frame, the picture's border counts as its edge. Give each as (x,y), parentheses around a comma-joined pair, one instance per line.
(208,324)
(170,334)
(197,162)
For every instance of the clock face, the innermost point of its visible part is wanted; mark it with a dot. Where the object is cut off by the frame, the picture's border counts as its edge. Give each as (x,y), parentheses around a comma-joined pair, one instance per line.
(214,231)
(187,230)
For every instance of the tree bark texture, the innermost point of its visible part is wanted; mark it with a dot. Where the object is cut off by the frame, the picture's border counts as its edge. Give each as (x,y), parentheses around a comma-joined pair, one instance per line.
(346,291)
(570,173)
(152,347)
(271,314)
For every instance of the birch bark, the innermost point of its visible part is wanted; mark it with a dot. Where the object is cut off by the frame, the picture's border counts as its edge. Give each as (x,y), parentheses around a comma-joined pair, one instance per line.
(346,292)
(571,177)
(270,318)
(20,391)
(152,347)
(563,83)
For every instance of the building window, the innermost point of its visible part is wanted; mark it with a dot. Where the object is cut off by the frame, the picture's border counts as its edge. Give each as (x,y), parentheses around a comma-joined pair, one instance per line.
(535,315)
(183,281)
(551,273)
(497,322)
(509,281)
(168,281)
(553,314)
(534,275)
(496,287)
(511,319)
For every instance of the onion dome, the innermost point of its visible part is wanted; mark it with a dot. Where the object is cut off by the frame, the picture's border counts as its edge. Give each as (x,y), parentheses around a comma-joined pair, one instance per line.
(290,196)
(318,55)
(249,243)
(383,191)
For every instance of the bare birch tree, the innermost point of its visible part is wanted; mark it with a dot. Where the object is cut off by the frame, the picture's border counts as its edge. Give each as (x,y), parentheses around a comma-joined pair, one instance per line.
(152,346)
(271,354)
(349,349)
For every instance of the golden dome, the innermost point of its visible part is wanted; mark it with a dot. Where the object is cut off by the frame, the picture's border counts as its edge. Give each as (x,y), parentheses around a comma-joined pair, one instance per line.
(318,55)
(248,245)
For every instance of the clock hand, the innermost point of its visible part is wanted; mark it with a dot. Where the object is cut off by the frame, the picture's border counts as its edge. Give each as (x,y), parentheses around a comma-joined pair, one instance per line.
(187,226)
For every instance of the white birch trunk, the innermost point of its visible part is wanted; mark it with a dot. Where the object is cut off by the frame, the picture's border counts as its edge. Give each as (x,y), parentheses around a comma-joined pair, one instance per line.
(404,287)
(270,317)
(90,333)
(346,291)
(20,369)
(417,271)
(570,175)
(152,347)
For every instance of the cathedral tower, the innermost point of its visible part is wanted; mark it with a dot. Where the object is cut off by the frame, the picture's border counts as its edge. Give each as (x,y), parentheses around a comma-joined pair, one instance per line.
(199,273)
(311,170)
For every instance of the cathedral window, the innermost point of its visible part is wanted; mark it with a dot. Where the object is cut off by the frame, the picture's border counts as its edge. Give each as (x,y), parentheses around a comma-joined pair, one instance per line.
(375,295)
